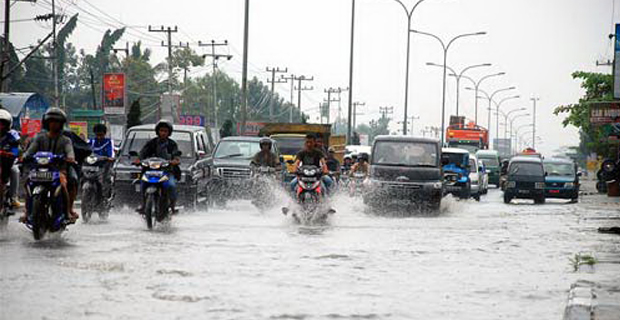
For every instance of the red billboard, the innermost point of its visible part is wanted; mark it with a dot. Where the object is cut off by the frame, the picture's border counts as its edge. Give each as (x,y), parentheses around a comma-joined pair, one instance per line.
(114,93)
(30,127)
(251,128)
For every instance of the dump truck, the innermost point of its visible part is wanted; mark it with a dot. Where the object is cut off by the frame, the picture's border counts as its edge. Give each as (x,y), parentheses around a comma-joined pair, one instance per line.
(468,136)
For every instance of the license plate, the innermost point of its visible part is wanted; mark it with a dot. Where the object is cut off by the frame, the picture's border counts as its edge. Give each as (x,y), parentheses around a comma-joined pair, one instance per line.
(524,191)
(304,179)
(91,169)
(42,175)
(554,191)
(135,175)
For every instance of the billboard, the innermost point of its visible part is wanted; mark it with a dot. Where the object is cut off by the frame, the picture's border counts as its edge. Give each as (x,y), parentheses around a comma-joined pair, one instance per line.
(251,128)
(617,63)
(604,113)
(30,127)
(503,146)
(80,128)
(192,120)
(114,98)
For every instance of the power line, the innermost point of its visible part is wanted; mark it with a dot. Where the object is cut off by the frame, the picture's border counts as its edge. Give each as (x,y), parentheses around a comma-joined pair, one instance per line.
(273,82)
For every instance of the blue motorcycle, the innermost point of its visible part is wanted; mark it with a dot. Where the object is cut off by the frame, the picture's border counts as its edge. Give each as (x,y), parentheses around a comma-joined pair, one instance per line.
(47,201)
(154,185)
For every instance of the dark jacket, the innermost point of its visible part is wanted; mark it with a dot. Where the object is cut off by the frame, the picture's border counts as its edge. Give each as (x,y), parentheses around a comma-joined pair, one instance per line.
(170,152)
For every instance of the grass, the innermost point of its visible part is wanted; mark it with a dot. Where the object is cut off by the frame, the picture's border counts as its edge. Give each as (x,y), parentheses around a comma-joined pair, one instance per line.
(582,259)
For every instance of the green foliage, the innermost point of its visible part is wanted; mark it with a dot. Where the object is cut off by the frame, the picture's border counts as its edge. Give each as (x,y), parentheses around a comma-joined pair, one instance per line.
(134,114)
(227,129)
(598,87)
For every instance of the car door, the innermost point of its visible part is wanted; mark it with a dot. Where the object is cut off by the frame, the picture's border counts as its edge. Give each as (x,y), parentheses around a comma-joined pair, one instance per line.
(201,162)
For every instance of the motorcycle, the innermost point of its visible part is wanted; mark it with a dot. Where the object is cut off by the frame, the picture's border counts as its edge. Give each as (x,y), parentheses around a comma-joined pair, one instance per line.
(310,196)
(263,178)
(6,207)
(93,199)
(47,207)
(154,179)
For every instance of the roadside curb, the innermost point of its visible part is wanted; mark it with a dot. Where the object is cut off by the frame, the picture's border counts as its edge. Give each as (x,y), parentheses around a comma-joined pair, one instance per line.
(581,299)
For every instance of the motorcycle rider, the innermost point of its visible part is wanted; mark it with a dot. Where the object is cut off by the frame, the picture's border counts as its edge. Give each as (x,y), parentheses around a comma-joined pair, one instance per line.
(362,165)
(9,142)
(53,140)
(347,164)
(333,165)
(163,147)
(320,144)
(265,157)
(103,147)
(310,155)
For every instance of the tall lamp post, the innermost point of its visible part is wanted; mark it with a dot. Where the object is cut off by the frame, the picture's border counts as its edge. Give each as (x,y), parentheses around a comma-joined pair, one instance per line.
(517,116)
(409,14)
(458,76)
(498,105)
(507,120)
(477,88)
(489,97)
(446,47)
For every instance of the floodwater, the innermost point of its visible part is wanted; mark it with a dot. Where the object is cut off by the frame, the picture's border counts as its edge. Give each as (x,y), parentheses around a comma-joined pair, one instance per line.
(483,260)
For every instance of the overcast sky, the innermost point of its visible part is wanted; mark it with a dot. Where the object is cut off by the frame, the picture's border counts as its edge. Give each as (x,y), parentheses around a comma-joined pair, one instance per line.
(538,43)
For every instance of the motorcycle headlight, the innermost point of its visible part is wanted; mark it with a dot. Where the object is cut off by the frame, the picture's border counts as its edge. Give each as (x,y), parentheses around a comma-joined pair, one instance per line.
(539,185)
(91,160)
(511,184)
(43,161)
(569,185)
(308,172)
(155,165)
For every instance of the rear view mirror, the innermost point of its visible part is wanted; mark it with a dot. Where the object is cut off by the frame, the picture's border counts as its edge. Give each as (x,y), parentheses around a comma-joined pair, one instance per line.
(201,154)
(281,159)
(579,173)
(133,153)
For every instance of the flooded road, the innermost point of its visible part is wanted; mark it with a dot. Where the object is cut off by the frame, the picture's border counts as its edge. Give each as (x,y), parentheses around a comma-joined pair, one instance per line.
(482,260)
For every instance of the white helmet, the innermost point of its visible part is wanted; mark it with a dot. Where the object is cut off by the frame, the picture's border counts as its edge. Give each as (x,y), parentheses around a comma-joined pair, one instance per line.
(7,117)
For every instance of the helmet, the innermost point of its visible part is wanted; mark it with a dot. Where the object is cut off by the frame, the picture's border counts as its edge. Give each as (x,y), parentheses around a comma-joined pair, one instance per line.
(348,156)
(265,141)
(163,123)
(54,114)
(331,150)
(6,117)
(100,127)
(364,157)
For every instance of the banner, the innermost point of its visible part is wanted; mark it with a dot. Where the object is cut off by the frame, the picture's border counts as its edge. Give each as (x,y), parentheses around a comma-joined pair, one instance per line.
(604,113)
(80,128)
(190,120)
(617,64)
(251,128)
(114,93)
(30,127)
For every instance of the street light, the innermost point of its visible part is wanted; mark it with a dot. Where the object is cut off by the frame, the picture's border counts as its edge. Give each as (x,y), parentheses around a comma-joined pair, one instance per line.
(458,76)
(409,14)
(506,116)
(477,88)
(517,116)
(489,97)
(498,105)
(446,47)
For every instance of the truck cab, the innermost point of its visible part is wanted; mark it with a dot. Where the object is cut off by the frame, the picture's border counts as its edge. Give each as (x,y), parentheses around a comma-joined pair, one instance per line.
(456,172)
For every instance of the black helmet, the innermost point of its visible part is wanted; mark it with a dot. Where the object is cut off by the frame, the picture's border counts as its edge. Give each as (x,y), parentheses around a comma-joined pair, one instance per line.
(265,141)
(53,114)
(100,128)
(163,123)
(364,156)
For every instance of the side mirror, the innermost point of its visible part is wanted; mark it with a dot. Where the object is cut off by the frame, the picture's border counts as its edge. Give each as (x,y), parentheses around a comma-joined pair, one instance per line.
(579,173)
(281,159)
(481,168)
(201,154)
(546,173)
(133,153)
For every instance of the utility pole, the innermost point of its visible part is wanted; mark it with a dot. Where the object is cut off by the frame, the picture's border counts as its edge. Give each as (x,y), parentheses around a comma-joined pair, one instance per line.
(300,89)
(273,82)
(214,56)
(329,101)
(354,120)
(6,59)
(534,100)
(169,31)
(55,52)
(350,112)
(244,75)
(386,112)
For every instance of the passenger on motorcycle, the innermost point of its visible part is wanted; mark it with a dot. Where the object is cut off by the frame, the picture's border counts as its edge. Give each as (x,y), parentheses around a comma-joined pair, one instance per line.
(348,163)
(163,147)
(265,157)
(53,140)
(9,148)
(312,156)
(362,165)
(333,165)
(103,147)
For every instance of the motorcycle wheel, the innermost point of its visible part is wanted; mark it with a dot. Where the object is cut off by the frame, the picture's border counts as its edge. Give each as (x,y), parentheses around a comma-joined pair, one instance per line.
(88,203)
(39,217)
(150,210)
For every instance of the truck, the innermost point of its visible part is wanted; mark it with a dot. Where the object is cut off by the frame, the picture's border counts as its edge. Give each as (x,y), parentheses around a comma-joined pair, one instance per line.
(470,136)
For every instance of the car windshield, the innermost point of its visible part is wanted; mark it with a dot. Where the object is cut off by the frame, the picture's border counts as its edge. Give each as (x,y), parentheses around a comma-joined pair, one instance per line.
(490,161)
(136,139)
(454,158)
(560,169)
(290,145)
(237,149)
(526,169)
(405,153)
(472,164)
(468,147)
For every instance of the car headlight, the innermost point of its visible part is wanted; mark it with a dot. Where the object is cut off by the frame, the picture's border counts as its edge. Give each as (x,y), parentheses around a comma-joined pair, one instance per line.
(437,185)
(569,185)
(511,184)
(216,172)
(43,161)
(91,160)
(539,185)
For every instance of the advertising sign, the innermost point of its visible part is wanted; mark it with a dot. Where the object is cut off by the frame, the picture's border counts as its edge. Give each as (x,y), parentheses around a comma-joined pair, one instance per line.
(80,128)
(503,146)
(617,64)
(117,133)
(604,113)
(251,128)
(30,127)
(192,120)
(114,93)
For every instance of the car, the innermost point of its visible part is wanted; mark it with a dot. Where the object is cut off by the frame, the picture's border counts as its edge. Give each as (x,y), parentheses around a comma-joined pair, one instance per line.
(456,171)
(491,164)
(289,144)
(478,177)
(406,170)
(484,177)
(561,179)
(525,179)
(229,168)
(192,142)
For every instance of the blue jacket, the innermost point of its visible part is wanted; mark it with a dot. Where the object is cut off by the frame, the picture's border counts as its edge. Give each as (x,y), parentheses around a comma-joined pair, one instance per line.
(103,147)
(10,142)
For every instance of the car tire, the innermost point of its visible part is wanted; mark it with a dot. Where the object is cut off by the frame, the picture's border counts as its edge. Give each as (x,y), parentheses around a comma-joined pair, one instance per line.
(539,200)
(507,198)
(477,196)
(465,192)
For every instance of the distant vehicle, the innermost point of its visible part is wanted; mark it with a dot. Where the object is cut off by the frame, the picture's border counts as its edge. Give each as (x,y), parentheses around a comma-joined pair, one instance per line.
(525,179)
(478,177)
(484,177)
(561,178)
(404,170)
(356,150)
(230,168)
(470,136)
(289,144)
(456,171)
(192,143)
(490,158)
(530,152)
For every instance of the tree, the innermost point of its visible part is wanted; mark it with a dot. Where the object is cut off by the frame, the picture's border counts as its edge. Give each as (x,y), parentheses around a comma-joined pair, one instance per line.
(227,129)
(598,87)
(134,115)
(184,59)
